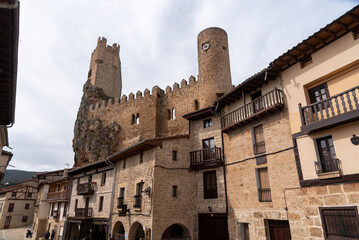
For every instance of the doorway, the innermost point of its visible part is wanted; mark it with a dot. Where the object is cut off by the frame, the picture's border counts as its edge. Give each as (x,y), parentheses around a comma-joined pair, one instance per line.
(279,230)
(212,226)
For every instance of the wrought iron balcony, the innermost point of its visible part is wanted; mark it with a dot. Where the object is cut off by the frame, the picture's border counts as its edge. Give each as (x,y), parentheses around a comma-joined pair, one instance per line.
(264,195)
(334,111)
(269,102)
(57,196)
(138,199)
(85,188)
(206,158)
(83,212)
(327,166)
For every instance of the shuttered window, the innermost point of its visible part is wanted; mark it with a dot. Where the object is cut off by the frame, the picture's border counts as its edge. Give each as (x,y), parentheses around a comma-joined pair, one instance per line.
(258,141)
(264,191)
(209,185)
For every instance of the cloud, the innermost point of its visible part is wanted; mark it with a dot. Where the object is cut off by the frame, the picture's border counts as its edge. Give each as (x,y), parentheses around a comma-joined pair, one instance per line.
(158,47)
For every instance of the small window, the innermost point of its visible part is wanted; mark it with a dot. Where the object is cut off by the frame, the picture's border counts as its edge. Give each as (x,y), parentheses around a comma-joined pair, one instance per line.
(264,191)
(306,61)
(169,115)
(141,158)
(76,203)
(174,191)
(340,222)
(207,123)
(196,105)
(11,207)
(318,93)
(24,218)
(101,204)
(259,146)
(137,118)
(244,229)
(124,164)
(209,185)
(29,194)
(103,178)
(13,194)
(174,155)
(27,205)
(133,119)
(58,188)
(121,198)
(173,113)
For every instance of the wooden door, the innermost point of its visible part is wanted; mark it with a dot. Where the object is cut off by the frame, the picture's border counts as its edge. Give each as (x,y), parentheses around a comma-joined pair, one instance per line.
(212,227)
(279,230)
(7,222)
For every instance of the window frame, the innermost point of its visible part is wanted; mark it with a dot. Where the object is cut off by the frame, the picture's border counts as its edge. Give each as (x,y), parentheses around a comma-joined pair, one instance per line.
(260,187)
(312,90)
(27,205)
(212,193)
(254,140)
(24,217)
(207,123)
(101,200)
(11,207)
(103,179)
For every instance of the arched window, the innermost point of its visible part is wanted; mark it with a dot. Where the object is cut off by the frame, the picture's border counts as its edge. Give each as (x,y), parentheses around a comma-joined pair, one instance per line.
(138,118)
(173,113)
(133,120)
(196,105)
(169,115)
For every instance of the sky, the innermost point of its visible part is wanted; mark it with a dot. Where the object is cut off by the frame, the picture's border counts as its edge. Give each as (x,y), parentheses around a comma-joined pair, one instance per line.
(157,41)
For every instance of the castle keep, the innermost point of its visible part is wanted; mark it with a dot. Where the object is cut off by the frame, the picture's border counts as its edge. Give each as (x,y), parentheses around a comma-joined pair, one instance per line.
(272,158)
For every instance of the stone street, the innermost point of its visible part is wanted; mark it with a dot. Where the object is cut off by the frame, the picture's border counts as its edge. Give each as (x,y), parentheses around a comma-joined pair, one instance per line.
(14,234)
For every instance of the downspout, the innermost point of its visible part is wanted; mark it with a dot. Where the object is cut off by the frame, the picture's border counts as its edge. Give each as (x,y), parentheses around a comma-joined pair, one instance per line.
(108,162)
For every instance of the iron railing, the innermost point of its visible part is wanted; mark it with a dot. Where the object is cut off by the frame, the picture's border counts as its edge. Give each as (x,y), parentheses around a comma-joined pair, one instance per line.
(264,195)
(334,106)
(269,101)
(83,212)
(85,188)
(326,166)
(138,199)
(57,196)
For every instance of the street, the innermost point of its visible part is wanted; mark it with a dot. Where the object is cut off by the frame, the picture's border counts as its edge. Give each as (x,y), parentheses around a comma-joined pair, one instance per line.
(14,234)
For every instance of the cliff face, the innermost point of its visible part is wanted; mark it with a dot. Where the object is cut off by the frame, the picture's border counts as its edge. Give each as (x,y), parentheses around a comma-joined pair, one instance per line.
(92,140)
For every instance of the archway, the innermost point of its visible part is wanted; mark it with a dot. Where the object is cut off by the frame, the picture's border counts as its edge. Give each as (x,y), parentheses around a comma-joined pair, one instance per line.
(176,231)
(136,232)
(118,231)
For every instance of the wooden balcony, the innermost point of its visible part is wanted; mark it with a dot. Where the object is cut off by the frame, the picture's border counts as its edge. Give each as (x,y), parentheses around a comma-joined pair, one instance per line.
(206,158)
(83,212)
(269,102)
(334,111)
(85,188)
(57,196)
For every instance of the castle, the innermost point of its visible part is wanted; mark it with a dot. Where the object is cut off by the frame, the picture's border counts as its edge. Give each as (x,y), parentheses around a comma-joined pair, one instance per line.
(272,158)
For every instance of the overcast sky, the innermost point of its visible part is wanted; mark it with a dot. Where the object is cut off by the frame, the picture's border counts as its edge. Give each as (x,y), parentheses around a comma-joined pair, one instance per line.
(157,47)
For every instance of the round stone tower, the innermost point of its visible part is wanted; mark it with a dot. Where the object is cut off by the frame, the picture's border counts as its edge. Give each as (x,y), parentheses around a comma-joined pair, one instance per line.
(213,64)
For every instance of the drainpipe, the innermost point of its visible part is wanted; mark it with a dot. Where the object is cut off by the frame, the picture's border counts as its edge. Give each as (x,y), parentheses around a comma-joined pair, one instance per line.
(108,162)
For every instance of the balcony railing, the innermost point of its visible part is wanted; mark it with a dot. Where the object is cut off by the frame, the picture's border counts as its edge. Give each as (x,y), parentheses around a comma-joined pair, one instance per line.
(334,111)
(264,195)
(271,101)
(83,212)
(57,196)
(206,158)
(327,166)
(138,199)
(85,188)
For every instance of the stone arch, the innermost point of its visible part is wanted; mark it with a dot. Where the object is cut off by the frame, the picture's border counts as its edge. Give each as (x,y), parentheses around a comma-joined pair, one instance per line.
(118,230)
(136,231)
(176,230)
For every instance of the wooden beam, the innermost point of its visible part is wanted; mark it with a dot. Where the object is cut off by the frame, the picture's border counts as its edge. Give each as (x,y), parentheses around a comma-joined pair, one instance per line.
(343,25)
(330,32)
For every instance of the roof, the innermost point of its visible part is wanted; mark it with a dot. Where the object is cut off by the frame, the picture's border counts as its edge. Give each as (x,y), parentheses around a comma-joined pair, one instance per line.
(199,114)
(9,35)
(344,24)
(88,167)
(141,147)
(331,32)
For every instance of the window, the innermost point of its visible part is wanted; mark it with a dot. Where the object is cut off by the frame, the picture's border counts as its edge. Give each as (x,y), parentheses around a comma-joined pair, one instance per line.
(103,179)
(174,191)
(133,119)
(90,178)
(137,118)
(208,143)
(209,151)
(306,61)
(340,222)
(11,207)
(101,204)
(209,185)
(264,191)
(138,196)
(256,101)
(65,210)
(29,194)
(141,158)
(328,160)
(58,188)
(169,115)
(76,203)
(196,104)
(174,155)
(244,230)
(318,93)
(121,198)
(27,205)
(24,218)
(258,140)
(13,194)
(207,123)
(173,113)
(124,164)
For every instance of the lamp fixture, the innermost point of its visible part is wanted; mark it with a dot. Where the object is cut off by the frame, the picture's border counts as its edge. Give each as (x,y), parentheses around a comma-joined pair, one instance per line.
(355,140)
(209,209)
